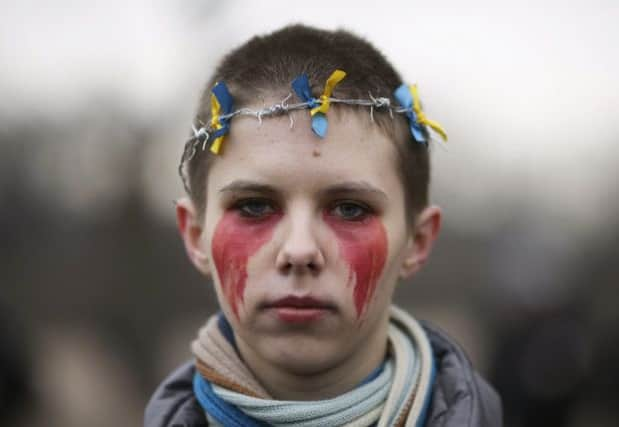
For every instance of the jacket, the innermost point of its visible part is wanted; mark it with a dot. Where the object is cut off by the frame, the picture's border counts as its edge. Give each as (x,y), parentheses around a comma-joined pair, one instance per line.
(460,397)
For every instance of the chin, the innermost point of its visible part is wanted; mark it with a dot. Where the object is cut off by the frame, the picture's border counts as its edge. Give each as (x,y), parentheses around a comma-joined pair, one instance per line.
(303,355)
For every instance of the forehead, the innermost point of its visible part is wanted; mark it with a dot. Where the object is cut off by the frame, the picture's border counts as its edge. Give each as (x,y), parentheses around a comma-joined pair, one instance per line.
(294,158)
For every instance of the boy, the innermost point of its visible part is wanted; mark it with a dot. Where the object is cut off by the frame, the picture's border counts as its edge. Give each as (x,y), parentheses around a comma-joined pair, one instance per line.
(305,219)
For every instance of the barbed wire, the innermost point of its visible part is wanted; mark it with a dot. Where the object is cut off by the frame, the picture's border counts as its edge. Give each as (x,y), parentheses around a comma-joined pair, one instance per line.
(201,135)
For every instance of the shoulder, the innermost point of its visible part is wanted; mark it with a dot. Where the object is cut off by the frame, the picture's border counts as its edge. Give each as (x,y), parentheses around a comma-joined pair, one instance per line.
(460,396)
(173,403)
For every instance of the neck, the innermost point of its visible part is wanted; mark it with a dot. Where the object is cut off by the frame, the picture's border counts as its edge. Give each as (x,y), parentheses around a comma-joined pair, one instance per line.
(327,382)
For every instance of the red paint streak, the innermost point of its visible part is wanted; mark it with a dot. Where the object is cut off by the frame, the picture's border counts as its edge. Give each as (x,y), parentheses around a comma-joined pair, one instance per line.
(364,247)
(235,240)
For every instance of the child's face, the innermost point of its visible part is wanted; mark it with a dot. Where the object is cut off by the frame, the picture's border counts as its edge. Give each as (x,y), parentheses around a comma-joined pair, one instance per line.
(306,238)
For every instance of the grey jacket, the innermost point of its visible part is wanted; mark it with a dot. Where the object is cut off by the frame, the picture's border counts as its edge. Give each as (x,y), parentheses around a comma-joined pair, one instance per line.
(460,397)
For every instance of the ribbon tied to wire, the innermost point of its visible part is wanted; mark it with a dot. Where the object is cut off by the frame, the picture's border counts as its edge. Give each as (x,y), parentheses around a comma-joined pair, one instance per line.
(319,106)
(408,97)
(221,105)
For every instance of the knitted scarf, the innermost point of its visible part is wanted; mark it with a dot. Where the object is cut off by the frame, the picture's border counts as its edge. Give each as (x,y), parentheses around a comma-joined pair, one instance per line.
(396,394)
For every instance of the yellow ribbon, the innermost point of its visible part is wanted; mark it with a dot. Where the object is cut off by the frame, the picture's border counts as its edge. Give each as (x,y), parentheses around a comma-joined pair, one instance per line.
(421,117)
(336,77)
(215,124)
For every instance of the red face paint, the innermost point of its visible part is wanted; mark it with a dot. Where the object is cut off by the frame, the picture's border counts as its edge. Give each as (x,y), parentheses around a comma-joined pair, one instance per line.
(363,245)
(235,240)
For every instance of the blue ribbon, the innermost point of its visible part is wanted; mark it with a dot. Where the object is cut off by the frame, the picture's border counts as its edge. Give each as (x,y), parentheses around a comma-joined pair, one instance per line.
(403,95)
(301,87)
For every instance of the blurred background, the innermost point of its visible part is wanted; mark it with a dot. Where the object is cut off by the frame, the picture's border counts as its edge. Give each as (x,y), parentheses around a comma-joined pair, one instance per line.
(97,299)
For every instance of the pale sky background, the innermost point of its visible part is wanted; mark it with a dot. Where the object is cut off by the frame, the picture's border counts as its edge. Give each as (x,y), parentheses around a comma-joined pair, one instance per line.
(527,91)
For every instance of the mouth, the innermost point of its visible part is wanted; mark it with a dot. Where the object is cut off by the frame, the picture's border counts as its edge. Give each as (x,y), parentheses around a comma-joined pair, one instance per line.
(295,309)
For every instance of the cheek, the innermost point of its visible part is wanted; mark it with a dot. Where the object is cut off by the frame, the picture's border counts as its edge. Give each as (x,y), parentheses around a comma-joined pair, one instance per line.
(235,240)
(363,245)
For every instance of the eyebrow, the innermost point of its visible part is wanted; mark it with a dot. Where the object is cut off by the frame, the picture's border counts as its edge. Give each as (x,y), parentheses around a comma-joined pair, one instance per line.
(354,187)
(346,187)
(247,186)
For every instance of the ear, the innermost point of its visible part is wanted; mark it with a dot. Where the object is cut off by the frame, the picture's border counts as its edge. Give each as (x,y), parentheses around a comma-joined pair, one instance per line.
(191,230)
(421,240)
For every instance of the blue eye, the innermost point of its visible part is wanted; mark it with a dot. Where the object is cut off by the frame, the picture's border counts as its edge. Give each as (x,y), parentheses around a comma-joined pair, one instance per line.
(351,211)
(254,208)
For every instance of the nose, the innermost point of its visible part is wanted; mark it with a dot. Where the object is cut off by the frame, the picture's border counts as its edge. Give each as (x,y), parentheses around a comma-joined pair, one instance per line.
(300,251)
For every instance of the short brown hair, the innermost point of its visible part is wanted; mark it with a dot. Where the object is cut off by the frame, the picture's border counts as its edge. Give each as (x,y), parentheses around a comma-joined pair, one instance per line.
(268,63)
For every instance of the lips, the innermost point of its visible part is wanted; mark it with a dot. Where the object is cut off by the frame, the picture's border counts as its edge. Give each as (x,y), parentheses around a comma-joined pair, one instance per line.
(300,302)
(295,309)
